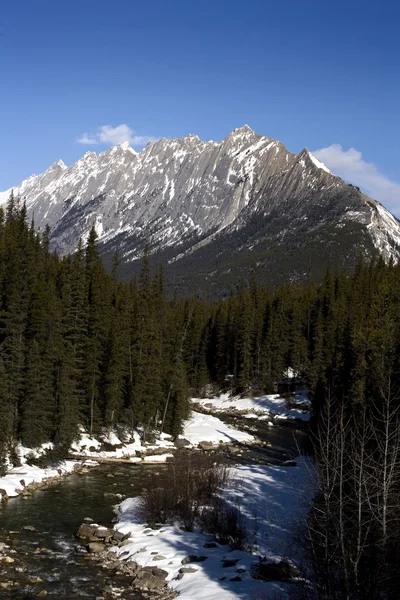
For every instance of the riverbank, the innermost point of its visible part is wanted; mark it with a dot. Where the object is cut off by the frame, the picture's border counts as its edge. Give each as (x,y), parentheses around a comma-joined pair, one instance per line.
(200,431)
(273,503)
(25,479)
(269,499)
(272,408)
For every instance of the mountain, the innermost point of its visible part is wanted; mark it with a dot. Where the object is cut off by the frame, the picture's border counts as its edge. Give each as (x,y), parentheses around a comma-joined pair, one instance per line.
(212,211)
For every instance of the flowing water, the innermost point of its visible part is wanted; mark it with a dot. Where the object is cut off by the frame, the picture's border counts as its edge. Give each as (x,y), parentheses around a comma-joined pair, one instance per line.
(41,529)
(50,551)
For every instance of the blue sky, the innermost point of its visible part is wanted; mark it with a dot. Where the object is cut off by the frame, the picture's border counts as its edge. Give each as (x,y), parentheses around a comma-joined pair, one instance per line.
(315,74)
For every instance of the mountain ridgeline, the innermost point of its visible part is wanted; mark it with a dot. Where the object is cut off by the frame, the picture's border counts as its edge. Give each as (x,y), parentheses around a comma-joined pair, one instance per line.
(211,212)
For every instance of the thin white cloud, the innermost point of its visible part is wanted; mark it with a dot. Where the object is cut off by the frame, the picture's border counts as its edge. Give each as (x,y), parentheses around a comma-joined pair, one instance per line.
(350,165)
(86,139)
(107,135)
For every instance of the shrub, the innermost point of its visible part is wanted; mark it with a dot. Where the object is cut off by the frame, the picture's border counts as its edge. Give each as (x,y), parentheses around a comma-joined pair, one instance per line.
(227,524)
(182,490)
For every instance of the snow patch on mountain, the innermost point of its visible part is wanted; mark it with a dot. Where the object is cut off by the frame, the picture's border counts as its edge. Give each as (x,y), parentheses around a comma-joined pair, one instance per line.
(318,163)
(385,231)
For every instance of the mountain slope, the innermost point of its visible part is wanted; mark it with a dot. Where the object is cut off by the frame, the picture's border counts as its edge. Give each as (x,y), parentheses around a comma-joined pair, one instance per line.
(212,210)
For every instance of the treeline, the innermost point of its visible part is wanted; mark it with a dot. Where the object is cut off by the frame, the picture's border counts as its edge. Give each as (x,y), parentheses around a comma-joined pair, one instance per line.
(77,346)
(80,347)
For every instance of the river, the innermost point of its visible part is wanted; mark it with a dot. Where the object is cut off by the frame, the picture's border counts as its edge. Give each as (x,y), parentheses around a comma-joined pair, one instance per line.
(50,561)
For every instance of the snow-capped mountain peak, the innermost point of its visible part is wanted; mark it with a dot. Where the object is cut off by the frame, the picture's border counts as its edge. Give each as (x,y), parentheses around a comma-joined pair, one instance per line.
(209,202)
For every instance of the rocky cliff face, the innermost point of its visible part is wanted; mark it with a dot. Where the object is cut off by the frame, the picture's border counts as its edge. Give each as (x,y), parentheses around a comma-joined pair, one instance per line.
(212,210)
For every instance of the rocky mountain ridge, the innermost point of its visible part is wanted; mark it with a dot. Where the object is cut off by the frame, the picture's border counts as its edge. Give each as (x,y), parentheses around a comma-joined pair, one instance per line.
(211,209)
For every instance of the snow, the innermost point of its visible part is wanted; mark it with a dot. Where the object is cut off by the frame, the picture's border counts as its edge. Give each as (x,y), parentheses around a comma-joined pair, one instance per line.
(318,163)
(99,226)
(385,232)
(157,458)
(85,441)
(127,148)
(206,428)
(271,406)
(199,428)
(19,477)
(5,196)
(269,498)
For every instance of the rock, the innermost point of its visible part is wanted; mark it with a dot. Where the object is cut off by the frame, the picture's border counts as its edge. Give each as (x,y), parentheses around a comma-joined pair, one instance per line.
(110,475)
(210,545)
(20,569)
(6,584)
(237,578)
(179,576)
(125,542)
(181,443)
(28,528)
(151,578)
(3,494)
(229,562)
(8,560)
(192,558)
(206,445)
(88,520)
(241,570)
(275,571)
(159,557)
(3,546)
(41,594)
(96,547)
(188,570)
(120,537)
(103,533)
(22,482)
(86,531)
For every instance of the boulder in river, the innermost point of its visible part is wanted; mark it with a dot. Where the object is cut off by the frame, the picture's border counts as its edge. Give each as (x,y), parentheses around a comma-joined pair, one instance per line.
(87,531)
(104,533)
(96,547)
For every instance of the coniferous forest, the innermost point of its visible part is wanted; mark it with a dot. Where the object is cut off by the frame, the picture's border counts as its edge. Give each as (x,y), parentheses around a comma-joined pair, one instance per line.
(80,347)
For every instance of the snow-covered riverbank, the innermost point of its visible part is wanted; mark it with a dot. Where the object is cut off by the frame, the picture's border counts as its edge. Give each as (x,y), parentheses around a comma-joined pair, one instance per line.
(20,480)
(268,408)
(199,428)
(273,502)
